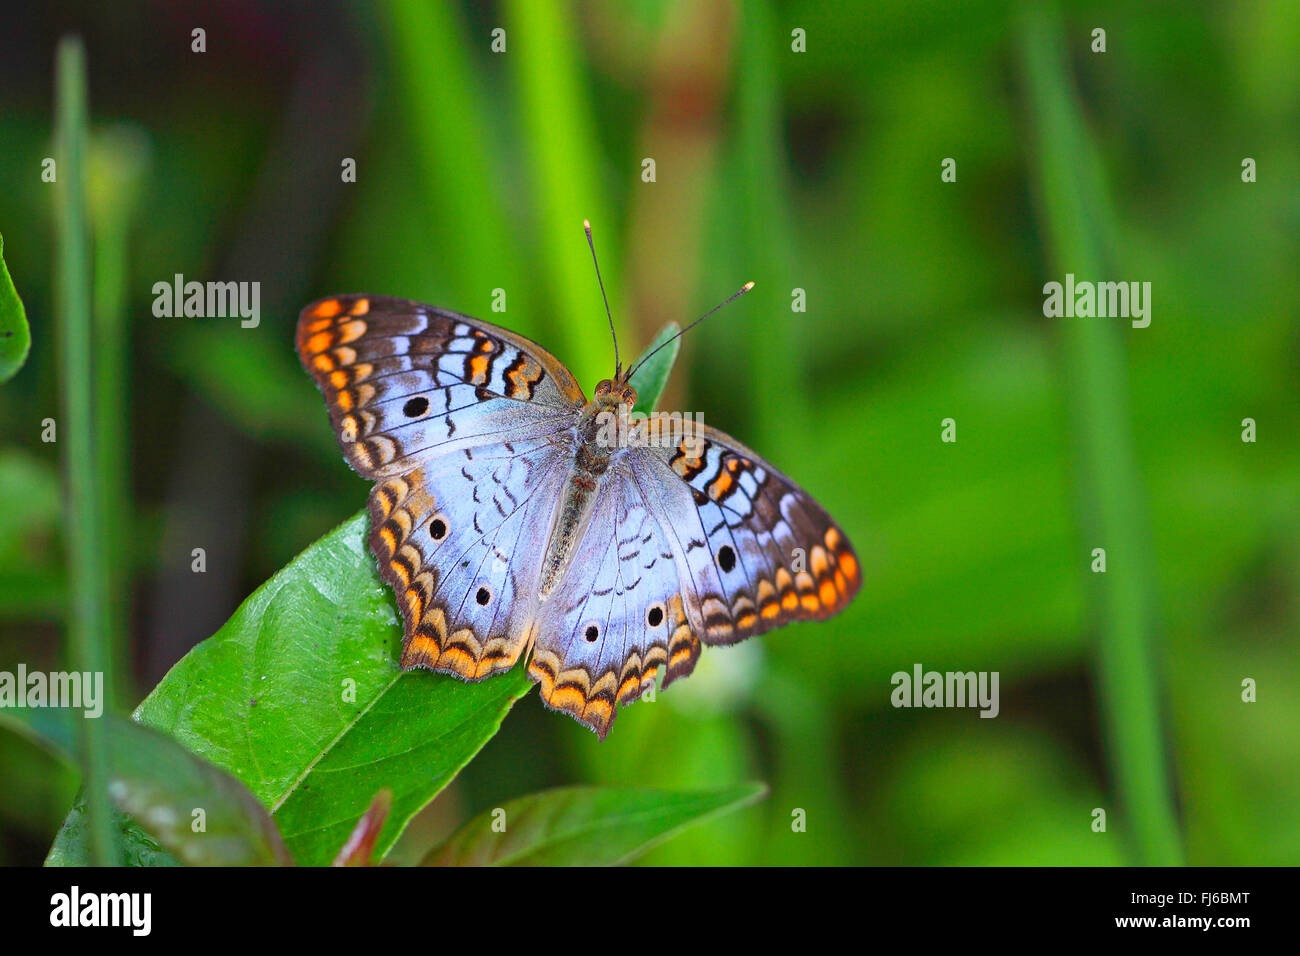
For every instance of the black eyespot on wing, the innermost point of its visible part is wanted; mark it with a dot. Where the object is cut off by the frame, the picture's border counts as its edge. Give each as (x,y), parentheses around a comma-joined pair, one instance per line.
(592,633)
(655,616)
(483,596)
(437,529)
(726,557)
(415,407)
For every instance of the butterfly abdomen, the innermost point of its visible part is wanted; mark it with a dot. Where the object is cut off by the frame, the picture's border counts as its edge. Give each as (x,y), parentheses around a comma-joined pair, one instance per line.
(571,520)
(597,443)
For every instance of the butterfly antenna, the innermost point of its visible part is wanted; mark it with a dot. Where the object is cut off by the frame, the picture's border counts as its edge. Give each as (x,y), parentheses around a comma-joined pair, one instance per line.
(730,299)
(618,366)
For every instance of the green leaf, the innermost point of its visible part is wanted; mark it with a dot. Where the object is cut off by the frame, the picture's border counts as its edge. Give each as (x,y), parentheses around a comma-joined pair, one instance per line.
(15,337)
(585,826)
(650,379)
(299,695)
(72,843)
(160,785)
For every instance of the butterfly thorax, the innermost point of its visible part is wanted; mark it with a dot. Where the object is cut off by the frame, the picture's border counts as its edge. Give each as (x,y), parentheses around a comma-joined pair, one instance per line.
(598,441)
(602,425)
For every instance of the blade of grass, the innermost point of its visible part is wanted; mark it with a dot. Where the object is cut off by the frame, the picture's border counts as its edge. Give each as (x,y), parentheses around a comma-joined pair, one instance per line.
(559,136)
(782,419)
(446,103)
(86,570)
(1080,227)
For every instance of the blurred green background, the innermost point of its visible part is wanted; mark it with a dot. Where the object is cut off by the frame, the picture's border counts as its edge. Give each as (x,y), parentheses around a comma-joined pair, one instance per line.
(816,170)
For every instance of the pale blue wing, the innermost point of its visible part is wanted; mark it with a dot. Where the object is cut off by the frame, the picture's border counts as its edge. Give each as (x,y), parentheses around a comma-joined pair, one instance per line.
(754,550)
(618,615)
(460,541)
(460,421)
(405,382)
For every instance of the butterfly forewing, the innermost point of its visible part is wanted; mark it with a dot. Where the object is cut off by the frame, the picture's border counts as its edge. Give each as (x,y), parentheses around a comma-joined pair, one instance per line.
(405,382)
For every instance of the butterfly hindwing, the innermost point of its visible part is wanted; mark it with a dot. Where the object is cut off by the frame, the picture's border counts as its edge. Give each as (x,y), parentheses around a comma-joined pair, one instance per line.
(457,541)
(406,382)
(756,551)
(618,616)
(701,542)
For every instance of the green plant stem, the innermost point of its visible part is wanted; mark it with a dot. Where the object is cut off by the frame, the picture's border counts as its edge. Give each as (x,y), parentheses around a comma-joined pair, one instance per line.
(110,434)
(1079,225)
(116,165)
(781,411)
(86,570)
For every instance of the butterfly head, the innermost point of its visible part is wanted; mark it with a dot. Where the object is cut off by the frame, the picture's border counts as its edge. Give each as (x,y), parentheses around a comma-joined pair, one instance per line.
(614,392)
(604,421)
